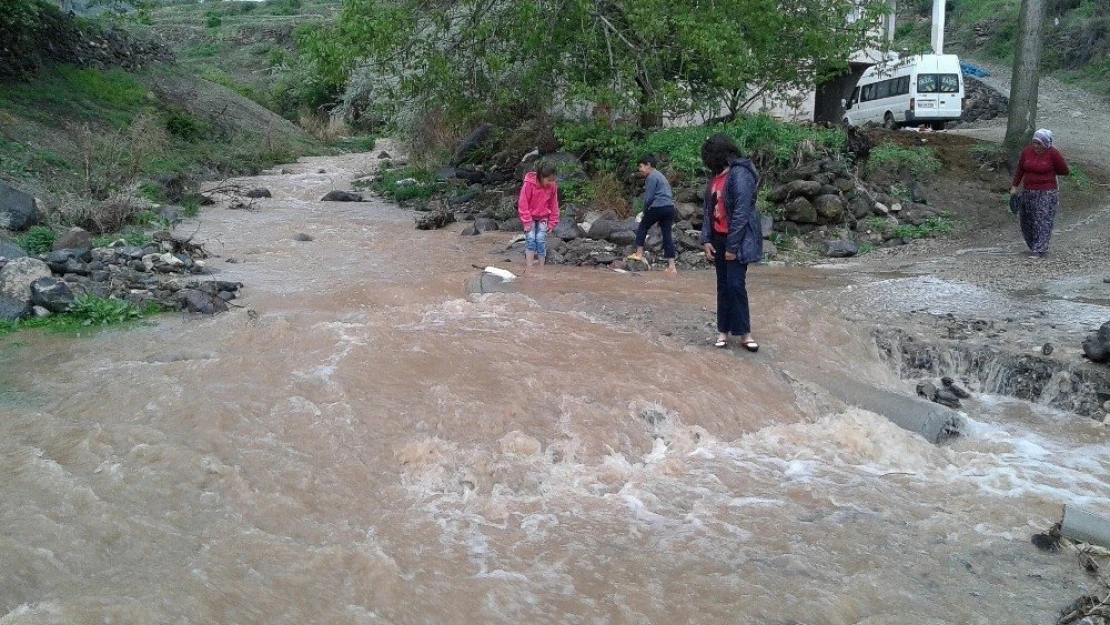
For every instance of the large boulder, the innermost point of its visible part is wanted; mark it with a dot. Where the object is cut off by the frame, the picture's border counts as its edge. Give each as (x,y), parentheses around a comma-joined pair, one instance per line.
(74,239)
(601,229)
(1103,335)
(16,277)
(17,209)
(840,248)
(472,142)
(830,208)
(11,250)
(794,188)
(341,196)
(52,294)
(1094,350)
(11,308)
(485,224)
(434,220)
(860,208)
(205,303)
(800,210)
(621,237)
(567,230)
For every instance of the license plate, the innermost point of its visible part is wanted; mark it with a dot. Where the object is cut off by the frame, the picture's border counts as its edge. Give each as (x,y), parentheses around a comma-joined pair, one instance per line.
(927,105)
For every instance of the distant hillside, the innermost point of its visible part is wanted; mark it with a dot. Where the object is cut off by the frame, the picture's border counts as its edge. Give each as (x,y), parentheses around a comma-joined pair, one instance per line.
(1077,35)
(89,115)
(249,47)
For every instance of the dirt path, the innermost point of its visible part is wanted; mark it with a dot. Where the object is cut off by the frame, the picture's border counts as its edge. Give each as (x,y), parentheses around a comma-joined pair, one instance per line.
(1080,120)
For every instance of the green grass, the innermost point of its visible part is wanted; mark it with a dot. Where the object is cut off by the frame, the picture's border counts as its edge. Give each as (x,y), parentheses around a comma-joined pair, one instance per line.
(933,227)
(138,239)
(918,161)
(424,187)
(112,96)
(88,312)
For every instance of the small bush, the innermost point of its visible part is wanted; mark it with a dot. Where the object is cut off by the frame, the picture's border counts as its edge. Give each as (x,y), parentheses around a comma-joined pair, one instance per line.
(395,185)
(609,193)
(214,21)
(893,158)
(38,240)
(93,310)
(184,126)
(1078,180)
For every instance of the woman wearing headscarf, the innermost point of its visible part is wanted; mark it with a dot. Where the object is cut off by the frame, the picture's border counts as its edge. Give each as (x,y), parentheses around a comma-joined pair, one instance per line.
(1038,167)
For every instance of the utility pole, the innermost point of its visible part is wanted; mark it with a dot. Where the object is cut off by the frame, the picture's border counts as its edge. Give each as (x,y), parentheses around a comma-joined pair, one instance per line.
(1022,121)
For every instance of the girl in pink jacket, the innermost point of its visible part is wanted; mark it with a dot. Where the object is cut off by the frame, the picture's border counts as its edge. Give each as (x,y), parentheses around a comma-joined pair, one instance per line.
(539,211)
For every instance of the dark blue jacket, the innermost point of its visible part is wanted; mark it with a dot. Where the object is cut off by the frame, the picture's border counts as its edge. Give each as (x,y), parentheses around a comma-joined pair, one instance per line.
(745,227)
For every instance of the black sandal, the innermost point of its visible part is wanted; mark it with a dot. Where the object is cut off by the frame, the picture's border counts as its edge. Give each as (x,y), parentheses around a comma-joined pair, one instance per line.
(751,345)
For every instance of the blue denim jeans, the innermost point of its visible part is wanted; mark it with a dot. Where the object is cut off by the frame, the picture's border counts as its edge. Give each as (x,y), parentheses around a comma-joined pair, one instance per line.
(535,240)
(733,313)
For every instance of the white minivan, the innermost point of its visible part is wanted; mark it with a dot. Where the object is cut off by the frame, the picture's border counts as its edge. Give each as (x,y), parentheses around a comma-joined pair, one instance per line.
(917,90)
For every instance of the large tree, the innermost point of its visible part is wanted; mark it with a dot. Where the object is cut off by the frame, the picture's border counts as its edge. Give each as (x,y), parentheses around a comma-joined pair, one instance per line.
(649,58)
(1025,83)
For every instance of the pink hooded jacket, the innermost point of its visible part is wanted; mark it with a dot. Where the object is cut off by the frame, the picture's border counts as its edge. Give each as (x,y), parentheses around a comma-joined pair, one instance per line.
(538,203)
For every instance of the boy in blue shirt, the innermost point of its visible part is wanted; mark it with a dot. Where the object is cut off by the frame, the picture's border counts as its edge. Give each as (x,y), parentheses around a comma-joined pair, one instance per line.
(658,208)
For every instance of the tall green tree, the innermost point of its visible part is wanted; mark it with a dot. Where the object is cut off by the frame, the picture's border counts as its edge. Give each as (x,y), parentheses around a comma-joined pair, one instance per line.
(649,58)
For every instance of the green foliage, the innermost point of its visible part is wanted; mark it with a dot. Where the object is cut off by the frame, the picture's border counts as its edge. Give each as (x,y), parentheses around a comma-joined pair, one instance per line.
(760,137)
(406,184)
(87,312)
(38,240)
(918,161)
(184,126)
(1078,179)
(138,239)
(190,206)
(477,59)
(932,227)
(603,145)
(214,21)
(93,310)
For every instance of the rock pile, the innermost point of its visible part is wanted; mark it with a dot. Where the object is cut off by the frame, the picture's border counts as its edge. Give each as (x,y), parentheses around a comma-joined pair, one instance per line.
(824,202)
(1097,346)
(61,39)
(160,272)
(983,102)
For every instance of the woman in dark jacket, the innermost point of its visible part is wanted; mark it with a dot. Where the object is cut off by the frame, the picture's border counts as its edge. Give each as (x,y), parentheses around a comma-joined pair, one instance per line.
(732,234)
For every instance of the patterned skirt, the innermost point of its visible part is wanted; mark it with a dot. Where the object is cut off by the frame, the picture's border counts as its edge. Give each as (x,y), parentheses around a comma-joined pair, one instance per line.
(1038,212)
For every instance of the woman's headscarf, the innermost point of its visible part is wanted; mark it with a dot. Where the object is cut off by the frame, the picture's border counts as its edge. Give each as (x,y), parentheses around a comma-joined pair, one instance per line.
(1044,137)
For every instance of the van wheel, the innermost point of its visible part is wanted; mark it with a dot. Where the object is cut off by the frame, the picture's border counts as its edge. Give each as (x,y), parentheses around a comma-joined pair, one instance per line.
(937,125)
(888,121)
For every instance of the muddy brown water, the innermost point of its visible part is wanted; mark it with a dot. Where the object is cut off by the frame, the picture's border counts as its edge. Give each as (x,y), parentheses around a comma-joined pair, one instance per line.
(372,445)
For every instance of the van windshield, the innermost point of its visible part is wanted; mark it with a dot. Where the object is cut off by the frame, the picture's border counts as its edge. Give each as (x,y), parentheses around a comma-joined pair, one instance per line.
(938,83)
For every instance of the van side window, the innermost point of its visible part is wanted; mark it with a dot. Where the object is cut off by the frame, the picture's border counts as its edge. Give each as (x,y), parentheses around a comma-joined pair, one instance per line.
(866,93)
(949,83)
(882,90)
(903,85)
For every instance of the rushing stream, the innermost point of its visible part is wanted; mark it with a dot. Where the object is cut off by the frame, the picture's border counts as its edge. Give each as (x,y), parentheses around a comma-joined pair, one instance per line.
(369,444)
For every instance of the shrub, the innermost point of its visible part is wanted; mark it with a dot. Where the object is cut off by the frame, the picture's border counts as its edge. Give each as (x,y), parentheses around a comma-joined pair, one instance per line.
(395,185)
(93,310)
(38,240)
(184,126)
(214,21)
(609,193)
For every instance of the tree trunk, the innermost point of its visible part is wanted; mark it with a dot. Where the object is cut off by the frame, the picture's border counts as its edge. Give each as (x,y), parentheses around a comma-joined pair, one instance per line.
(1022,121)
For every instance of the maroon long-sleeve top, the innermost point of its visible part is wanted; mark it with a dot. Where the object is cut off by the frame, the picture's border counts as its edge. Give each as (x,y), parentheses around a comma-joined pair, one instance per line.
(1040,170)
